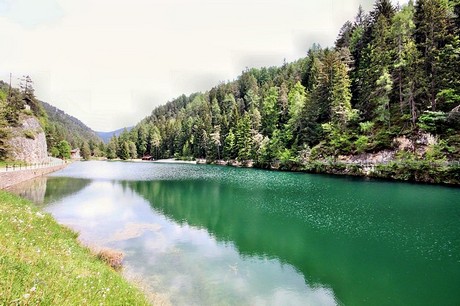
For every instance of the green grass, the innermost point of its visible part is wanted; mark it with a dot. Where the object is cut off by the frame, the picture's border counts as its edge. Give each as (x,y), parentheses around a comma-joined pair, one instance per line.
(42,263)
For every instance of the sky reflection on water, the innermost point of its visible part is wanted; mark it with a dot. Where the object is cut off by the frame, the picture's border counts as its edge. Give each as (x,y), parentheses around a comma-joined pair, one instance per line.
(183,262)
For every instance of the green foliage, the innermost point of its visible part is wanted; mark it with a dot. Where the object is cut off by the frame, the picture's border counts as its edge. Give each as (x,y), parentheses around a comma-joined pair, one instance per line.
(270,111)
(4,137)
(366,127)
(54,151)
(381,95)
(229,146)
(296,100)
(85,151)
(382,140)
(64,149)
(125,152)
(61,126)
(244,138)
(14,106)
(29,134)
(433,122)
(287,159)
(361,143)
(449,98)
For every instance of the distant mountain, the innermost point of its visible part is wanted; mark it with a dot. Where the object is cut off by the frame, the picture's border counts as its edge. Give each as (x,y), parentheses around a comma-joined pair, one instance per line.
(68,127)
(105,136)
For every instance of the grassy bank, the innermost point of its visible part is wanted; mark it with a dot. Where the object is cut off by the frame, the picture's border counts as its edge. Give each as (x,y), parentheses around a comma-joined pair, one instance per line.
(42,263)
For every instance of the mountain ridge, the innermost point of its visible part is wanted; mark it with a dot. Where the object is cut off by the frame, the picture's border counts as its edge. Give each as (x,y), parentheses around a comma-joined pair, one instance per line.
(105,136)
(74,129)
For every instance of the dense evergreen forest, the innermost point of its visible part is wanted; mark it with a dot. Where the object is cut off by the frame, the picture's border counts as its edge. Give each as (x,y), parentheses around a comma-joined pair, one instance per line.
(393,72)
(62,131)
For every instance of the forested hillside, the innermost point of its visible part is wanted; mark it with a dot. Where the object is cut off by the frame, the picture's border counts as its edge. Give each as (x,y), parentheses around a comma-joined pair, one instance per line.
(63,126)
(391,82)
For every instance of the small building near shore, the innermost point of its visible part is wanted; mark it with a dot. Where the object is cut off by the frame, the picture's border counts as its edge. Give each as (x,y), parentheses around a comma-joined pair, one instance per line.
(147,157)
(75,154)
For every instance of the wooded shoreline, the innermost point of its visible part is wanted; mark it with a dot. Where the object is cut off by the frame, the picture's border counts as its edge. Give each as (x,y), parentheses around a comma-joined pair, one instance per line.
(446,173)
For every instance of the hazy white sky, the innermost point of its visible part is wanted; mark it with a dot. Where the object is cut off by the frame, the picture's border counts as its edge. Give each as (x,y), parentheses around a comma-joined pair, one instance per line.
(110,62)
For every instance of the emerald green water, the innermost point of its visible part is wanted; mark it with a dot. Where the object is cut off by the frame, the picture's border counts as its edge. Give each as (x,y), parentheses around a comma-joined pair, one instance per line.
(210,235)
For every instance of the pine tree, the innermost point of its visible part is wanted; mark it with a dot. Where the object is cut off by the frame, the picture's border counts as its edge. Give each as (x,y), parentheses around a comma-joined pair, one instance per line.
(341,111)
(85,151)
(64,149)
(402,31)
(141,140)
(229,146)
(376,60)
(270,112)
(345,35)
(112,148)
(448,96)
(215,140)
(431,21)
(381,95)
(244,138)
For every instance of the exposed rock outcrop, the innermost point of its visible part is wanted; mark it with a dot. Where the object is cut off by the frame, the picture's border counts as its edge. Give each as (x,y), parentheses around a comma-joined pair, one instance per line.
(28,142)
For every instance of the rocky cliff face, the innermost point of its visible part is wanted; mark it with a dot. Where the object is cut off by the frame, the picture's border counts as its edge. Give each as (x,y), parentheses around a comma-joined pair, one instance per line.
(28,143)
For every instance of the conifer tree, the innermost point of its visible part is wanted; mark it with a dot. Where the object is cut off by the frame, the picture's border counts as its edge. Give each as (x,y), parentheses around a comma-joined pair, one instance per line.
(431,22)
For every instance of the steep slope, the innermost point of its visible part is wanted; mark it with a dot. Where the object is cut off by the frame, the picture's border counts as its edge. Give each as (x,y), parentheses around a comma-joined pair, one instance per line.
(27,142)
(69,127)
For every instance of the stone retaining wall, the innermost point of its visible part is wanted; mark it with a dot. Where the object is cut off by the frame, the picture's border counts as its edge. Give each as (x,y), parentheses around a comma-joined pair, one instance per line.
(8,179)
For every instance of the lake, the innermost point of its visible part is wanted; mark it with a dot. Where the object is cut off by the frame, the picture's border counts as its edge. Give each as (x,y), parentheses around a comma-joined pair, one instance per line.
(213,235)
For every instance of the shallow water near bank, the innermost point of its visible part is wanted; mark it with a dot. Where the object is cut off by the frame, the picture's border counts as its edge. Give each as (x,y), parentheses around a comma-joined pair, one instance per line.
(207,235)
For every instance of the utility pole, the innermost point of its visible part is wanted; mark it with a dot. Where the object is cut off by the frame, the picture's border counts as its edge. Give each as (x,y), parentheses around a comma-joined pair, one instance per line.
(9,90)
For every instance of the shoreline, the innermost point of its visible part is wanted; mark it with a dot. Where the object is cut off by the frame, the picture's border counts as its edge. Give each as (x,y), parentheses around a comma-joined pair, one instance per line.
(156,161)
(174,161)
(50,265)
(412,171)
(395,170)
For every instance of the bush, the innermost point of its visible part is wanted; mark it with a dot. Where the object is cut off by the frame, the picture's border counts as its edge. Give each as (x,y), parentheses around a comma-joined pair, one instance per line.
(111,257)
(361,144)
(366,127)
(29,134)
(54,152)
(383,140)
(433,122)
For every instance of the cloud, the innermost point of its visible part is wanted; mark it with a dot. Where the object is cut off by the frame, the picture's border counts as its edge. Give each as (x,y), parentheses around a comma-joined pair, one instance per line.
(31,13)
(109,63)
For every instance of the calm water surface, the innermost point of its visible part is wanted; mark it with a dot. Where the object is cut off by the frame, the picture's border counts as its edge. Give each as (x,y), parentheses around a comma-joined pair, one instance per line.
(210,235)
